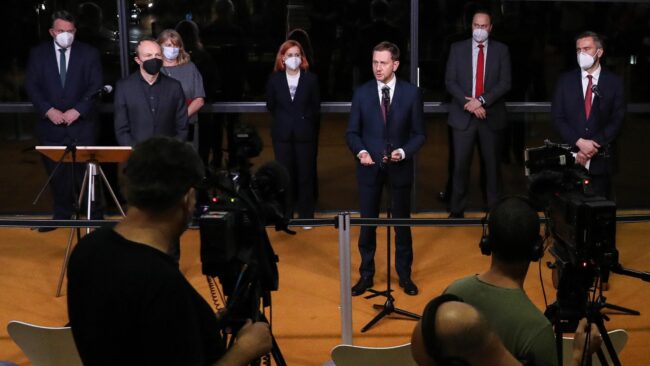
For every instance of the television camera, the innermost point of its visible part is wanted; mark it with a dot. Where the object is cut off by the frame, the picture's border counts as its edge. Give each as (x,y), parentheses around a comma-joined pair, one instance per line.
(583,227)
(235,247)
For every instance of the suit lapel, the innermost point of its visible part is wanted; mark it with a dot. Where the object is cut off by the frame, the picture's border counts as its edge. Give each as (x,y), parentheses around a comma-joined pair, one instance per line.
(53,66)
(284,87)
(579,96)
(490,61)
(299,87)
(395,101)
(469,71)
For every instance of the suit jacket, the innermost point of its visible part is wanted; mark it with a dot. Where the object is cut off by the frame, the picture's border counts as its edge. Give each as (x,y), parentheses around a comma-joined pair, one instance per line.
(404,129)
(43,86)
(459,81)
(606,117)
(298,118)
(135,122)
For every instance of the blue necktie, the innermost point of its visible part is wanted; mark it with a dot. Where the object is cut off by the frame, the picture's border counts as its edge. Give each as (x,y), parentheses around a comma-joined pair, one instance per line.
(62,68)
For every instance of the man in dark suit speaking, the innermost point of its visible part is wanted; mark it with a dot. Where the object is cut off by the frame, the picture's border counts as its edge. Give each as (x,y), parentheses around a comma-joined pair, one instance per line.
(588,111)
(60,80)
(385,131)
(477,77)
(148,103)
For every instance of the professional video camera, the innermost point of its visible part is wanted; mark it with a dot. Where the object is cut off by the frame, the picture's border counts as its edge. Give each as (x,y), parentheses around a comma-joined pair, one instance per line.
(583,227)
(234,244)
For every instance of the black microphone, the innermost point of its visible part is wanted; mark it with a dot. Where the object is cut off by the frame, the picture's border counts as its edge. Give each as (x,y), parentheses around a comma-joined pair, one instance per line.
(106,89)
(595,90)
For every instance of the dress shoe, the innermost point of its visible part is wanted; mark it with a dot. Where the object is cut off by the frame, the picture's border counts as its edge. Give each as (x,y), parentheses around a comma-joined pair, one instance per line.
(361,286)
(456,215)
(45,229)
(409,287)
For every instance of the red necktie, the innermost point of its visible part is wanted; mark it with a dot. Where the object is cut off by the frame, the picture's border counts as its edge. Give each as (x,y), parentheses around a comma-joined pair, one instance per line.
(480,64)
(588,96)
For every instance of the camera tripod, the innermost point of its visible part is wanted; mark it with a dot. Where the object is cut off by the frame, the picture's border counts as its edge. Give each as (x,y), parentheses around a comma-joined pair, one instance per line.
(564,320)
(389,306)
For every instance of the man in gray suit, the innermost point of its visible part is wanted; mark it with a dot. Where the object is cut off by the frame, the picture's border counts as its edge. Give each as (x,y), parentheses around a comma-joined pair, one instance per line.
(477,77)
(148,103)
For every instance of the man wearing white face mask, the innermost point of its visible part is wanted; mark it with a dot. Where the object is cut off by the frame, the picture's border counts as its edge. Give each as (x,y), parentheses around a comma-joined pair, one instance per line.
(588,111)
(477,77)
(61,77)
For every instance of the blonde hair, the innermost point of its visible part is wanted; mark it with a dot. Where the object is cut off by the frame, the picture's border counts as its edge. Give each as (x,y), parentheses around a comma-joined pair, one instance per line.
(176,40)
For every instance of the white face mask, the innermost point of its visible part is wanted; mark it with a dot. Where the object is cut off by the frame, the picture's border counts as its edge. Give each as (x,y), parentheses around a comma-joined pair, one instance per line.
(64,39)
(586,61)
(479,35)
(171,53)
(292,62)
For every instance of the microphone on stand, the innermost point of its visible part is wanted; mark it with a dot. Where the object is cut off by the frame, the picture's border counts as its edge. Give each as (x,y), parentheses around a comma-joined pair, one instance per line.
(106,89)
(596,90)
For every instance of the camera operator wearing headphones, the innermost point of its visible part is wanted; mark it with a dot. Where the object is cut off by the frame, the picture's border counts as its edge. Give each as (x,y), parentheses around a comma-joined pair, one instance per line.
(127,300)
(453,333)
(512,238)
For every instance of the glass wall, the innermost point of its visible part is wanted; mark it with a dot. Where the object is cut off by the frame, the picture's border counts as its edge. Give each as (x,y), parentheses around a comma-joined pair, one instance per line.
(237,48)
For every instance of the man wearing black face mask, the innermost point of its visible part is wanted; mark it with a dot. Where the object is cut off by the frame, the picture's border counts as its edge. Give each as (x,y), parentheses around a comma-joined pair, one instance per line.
(148,103)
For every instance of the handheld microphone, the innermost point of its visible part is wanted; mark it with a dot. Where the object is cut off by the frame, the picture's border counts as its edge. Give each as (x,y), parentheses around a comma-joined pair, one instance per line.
(595,90)
(106,89)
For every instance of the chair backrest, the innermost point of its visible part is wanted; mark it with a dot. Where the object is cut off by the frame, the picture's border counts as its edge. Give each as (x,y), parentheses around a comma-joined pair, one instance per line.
(349,355)
(619,340)
(45,346)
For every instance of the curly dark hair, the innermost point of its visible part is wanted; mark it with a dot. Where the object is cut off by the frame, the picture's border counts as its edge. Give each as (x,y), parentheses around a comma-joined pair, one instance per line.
(160,172)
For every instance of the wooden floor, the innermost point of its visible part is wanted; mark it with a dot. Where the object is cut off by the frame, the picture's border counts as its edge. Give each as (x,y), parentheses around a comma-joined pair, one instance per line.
(306,318)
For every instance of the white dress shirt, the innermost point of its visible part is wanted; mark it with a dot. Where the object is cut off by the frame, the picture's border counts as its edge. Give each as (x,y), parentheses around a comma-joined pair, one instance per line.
(475,50)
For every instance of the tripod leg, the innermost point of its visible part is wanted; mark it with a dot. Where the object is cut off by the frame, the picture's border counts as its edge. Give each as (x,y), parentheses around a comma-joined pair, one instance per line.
(374,320)
(65,262)
(117,203)
(276,353)
(407,313)
(607,341)
(622,309)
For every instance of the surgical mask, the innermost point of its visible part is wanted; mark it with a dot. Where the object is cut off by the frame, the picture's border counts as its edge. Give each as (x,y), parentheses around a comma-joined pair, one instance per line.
(586,61)
(479,35)
(152,66)
(171,53)
(292,62)
(64,39)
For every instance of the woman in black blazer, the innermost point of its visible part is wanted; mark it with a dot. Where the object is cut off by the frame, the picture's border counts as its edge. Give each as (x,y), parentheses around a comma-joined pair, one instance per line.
(292,97)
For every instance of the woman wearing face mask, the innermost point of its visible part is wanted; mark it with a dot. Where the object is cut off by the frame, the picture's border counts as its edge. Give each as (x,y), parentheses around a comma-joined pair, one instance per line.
(177,64)
(292,97)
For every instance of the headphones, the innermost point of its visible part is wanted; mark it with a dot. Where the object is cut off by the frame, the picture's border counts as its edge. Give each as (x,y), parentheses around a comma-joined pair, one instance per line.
(431,343)
(536,250)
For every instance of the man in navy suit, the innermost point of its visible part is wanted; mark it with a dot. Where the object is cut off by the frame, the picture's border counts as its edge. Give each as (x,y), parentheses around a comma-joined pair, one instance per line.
(61,78)
(477,77)
(588,111)
(147,102)
(385,131)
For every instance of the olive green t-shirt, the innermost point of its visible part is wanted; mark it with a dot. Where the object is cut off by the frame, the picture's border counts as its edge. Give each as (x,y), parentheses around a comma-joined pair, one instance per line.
(522,327)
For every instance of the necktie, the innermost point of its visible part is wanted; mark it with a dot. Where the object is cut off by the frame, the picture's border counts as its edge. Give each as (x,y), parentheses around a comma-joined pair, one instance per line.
(62,67)
(480,64)
(385,102)
(588,96)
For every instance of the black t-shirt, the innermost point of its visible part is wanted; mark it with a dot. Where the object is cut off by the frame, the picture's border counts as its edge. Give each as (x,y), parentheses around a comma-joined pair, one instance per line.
(129,304)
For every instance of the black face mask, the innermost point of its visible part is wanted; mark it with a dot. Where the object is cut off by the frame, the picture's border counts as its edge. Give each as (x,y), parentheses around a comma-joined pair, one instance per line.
(152,66)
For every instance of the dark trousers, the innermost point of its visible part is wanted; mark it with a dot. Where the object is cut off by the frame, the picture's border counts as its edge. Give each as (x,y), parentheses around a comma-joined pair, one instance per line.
(370,202)
(299,158)
(489,141)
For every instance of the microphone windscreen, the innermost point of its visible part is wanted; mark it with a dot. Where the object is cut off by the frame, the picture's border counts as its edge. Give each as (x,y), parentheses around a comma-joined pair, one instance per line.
(273,185)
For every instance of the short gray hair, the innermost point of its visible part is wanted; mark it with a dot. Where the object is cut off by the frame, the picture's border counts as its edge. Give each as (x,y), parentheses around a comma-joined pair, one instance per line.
(595,36)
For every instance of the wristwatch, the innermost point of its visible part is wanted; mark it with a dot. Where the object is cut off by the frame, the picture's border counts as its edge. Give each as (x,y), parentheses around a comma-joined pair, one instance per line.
(481,99)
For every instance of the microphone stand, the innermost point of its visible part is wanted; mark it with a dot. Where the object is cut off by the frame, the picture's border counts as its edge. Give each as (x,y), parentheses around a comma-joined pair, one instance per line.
(389,306)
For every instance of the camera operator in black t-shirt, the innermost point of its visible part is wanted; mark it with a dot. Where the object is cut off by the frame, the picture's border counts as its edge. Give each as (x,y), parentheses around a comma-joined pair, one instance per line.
(127,300)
